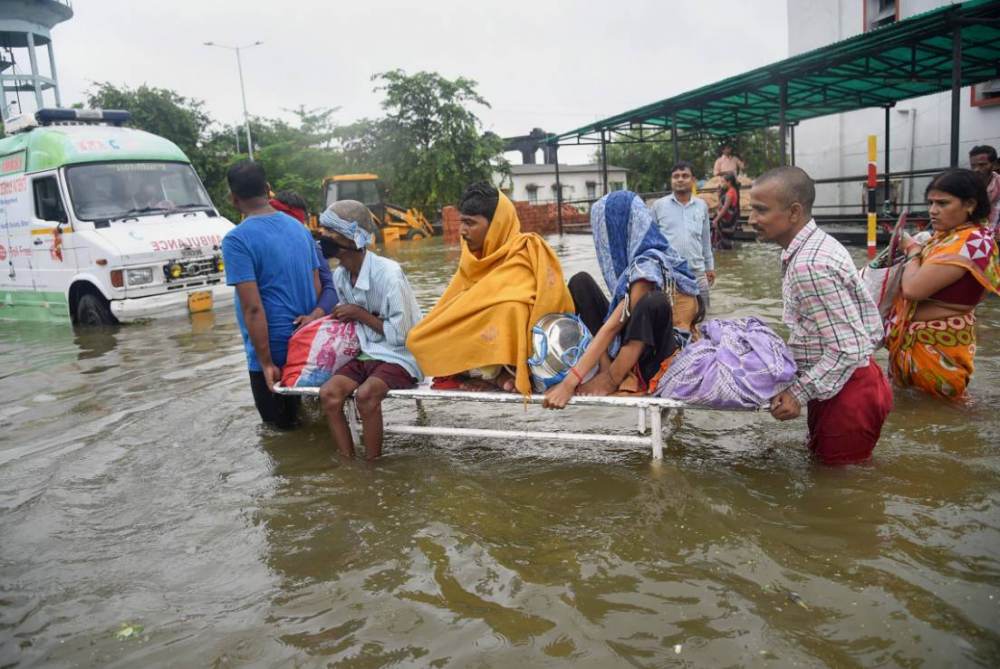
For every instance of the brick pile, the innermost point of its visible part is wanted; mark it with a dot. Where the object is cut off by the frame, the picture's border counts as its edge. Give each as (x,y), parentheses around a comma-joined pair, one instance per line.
(540,218)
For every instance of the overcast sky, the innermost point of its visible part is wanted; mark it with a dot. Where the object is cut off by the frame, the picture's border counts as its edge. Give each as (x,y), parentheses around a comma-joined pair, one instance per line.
(540,63)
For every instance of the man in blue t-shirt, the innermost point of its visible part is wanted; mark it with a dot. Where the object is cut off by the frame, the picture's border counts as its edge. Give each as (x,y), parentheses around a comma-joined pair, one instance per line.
(271,259)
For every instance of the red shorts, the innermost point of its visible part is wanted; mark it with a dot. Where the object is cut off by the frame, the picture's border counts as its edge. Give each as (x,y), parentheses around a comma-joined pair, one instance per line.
(390,373)
(846,427)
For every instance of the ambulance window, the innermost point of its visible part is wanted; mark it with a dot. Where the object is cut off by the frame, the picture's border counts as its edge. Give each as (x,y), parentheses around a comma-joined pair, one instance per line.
(48,202)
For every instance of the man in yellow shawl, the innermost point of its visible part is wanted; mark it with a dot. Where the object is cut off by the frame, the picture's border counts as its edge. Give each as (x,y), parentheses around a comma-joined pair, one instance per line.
(506,281)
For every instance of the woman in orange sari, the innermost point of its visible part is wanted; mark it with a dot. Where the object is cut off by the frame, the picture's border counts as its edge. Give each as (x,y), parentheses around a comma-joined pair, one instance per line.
(932,336)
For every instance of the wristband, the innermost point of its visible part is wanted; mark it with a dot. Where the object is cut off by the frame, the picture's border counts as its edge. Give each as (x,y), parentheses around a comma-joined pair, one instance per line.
(575,373)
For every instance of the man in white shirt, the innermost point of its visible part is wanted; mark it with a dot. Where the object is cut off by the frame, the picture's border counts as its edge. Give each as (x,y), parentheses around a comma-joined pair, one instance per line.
(727,163)
(684,221)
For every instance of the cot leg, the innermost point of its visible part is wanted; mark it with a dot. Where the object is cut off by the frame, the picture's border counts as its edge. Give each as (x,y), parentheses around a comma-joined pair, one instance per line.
(642,421)
(351,413)
(656,432)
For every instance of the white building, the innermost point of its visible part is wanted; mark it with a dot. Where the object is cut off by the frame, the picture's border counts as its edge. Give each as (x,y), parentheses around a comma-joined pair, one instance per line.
(537,183)
(919,128)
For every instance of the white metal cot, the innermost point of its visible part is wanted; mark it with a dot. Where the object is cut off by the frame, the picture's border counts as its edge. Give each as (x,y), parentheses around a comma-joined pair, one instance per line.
(653,407)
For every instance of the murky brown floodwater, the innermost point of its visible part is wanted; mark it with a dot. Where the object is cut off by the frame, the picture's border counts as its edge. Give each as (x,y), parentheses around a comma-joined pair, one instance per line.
(137,485)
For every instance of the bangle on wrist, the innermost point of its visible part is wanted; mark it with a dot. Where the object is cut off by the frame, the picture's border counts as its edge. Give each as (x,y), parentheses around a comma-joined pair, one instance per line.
(579,379)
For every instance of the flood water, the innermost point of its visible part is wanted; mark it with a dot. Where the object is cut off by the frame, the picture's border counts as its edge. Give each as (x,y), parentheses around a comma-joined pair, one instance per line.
(138,487)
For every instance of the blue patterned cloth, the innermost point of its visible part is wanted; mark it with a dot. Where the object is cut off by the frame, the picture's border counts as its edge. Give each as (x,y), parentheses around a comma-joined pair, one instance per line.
(630,247)
(350,229)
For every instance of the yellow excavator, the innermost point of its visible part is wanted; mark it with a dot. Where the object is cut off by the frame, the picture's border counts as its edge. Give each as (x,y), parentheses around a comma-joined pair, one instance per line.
(390,222)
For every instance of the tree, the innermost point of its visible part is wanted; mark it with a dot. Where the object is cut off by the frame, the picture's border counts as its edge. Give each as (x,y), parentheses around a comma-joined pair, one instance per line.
(160,111)
(429,145)
(649,163)
(299,155)
(426,148)
(295,155)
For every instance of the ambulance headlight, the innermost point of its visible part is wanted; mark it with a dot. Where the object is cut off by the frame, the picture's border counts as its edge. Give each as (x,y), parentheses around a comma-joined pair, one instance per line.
(139,276)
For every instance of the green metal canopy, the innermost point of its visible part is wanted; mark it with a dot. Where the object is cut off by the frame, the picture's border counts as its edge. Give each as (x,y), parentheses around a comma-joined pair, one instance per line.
(943,49)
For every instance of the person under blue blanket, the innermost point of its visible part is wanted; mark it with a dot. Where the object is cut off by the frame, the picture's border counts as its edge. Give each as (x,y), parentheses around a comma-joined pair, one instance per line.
(653,291)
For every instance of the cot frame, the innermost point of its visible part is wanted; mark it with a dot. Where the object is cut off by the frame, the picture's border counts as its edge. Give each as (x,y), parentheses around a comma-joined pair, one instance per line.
(645,406)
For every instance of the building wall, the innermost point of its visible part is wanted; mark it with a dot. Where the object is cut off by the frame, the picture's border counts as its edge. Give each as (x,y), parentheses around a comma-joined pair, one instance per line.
(574,184)
(836,145)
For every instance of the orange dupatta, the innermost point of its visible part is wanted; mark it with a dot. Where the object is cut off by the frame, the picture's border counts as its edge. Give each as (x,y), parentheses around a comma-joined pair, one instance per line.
(486,313)
(937,356)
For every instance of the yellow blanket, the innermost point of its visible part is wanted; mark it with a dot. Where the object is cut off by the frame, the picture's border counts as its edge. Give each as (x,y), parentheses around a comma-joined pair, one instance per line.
(485,315)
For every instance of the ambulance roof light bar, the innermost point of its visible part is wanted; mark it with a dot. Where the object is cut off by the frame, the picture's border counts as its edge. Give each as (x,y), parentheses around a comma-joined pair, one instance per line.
(55,116)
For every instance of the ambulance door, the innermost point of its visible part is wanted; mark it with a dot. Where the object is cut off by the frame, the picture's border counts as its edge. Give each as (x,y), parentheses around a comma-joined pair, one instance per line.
(52,265)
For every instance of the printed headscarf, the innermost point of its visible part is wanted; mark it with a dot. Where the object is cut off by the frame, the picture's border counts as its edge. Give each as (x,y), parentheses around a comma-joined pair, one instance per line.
(350,229)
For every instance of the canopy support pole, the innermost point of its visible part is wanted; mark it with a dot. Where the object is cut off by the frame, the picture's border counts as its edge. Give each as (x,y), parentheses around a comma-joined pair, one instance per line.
(559,221)
(604,162)
(673,138)
(792,132)
(782,125)
(886,206)
(956,89)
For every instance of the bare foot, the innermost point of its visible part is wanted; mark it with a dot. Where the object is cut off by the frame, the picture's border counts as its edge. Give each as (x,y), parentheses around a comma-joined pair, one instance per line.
(601,384)
(505,382)
(476,385)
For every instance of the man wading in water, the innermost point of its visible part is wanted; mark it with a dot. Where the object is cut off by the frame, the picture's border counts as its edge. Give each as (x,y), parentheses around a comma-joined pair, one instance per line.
(271,259)
(834,327)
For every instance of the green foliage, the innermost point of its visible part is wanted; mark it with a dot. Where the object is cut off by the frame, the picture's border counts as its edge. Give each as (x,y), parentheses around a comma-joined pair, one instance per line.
(649,163)
(157,110)
(298,156)
(429,145)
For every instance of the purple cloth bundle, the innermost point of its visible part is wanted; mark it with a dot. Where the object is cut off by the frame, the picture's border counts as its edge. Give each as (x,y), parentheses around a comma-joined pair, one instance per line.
(737,364)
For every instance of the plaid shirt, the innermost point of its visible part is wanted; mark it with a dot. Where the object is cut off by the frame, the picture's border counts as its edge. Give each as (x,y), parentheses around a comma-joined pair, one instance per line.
(834,325)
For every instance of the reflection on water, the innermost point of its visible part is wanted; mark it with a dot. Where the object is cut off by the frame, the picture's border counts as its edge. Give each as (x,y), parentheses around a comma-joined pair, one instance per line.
(136,485)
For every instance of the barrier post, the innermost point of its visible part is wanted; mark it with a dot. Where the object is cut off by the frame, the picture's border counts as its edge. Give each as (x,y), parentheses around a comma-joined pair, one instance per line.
(872,188)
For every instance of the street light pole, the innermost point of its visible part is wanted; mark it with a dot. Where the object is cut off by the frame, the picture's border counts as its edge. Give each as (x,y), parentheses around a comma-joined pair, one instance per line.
(243,93)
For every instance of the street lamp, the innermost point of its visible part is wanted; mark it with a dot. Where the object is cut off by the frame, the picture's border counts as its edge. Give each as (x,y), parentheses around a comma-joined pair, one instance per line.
(239,66)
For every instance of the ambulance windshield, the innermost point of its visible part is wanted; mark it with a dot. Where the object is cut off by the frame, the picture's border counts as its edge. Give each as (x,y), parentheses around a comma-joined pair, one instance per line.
(108,191)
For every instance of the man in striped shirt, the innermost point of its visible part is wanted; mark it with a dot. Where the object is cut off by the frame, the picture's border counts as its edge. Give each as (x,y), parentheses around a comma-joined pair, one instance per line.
(376,295)
(834,327)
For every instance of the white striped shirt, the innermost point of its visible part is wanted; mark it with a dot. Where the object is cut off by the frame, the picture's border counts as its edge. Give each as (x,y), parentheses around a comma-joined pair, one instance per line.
(383,290)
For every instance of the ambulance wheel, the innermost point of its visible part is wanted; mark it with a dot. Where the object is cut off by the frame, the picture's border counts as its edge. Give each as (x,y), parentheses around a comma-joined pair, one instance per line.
(93,310)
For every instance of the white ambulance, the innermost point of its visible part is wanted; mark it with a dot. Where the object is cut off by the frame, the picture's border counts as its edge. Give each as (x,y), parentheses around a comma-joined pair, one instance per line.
(100,223)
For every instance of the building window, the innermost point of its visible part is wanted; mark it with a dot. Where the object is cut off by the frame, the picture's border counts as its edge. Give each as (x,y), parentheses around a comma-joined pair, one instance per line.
(986,94)
(617,185)
(532,192)
(878,13)
(591,190)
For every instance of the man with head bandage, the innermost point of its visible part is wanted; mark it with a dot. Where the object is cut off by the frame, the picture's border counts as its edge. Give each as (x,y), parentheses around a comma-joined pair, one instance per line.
(376,295)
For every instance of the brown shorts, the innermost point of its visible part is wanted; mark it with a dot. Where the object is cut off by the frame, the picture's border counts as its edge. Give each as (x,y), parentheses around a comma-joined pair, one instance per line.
(390,373)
